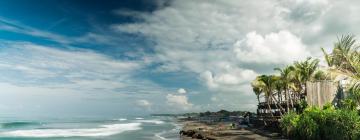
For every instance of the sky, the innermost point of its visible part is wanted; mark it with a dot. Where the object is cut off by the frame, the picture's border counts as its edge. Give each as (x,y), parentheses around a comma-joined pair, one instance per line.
(136,57)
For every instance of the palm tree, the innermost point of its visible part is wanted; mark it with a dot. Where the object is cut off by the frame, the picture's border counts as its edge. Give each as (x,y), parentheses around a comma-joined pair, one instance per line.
(286,75)
(345,60)
(304,71)
(279,86)
(320,75)
(261,85)
(342,55)
(256,86)
(266,83)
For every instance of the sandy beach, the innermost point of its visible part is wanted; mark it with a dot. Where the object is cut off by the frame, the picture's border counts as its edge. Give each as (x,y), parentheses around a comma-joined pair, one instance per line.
(222,131)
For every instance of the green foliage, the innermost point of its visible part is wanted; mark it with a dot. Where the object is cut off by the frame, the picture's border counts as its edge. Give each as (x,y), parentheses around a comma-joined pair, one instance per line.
(327,123)
(289,123)
(321,75)
(308,128)
(302,106)
(354,92)
(345,56)
(306,69)
(328,106)
(348,104)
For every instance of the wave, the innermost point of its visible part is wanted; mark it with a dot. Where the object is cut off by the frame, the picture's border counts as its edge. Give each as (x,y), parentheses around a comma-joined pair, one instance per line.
(122,119)
(18,124)
(169,134)
(139,118)
(103,130)
(150,121)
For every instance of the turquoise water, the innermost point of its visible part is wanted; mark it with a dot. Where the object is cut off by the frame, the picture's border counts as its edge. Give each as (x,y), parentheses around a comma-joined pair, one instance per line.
(122,128)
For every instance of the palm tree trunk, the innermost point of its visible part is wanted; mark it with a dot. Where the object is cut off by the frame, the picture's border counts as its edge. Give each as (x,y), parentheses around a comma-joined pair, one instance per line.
(287,100)
(279,95)
(278,105)
(269,108)
(291,96)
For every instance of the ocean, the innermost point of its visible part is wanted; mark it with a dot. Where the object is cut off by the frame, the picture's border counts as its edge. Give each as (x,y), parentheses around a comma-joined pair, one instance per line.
(122,128)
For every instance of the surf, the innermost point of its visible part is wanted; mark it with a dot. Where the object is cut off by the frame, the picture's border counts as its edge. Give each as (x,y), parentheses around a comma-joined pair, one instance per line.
(103,130)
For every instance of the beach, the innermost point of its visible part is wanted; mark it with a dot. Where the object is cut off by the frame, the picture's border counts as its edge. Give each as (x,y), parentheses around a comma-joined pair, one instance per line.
(222,131)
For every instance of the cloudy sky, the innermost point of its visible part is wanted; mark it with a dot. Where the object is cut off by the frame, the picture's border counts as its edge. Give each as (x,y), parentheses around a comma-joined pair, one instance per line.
(80,57)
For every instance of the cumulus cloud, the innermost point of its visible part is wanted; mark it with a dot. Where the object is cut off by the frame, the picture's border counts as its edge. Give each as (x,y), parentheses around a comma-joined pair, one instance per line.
(181,91)
(277,48)
(223,42)
(143,103)
(178,101)
(227,43)
(233,80)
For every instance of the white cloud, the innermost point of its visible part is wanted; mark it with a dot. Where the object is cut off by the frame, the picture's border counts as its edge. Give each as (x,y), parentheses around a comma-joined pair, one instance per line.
(181,91)
(227,43)
(277,48)
(143,103)
(232,81)
(219,40)
(178,101)
(86,38)
(14,26)
(31,64)
(213,99)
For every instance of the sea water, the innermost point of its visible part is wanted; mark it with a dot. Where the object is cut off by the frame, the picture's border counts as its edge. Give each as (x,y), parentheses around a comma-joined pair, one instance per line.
(121,128)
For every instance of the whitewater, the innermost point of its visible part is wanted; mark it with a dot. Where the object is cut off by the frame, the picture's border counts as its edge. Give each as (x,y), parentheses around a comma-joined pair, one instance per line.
(137,128)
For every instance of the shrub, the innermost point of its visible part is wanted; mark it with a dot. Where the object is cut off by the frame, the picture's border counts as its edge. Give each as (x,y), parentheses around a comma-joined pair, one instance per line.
(348,104)
(302,106)
(289,123)
(327,124)
(307,128)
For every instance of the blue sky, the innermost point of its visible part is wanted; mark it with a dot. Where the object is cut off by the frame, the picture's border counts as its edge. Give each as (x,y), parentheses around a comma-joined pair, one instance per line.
(129,57)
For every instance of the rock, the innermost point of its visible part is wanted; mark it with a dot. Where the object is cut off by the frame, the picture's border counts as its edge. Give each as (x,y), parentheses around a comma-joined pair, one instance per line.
(197,136)
(189,133)
(209,138)
(182,132)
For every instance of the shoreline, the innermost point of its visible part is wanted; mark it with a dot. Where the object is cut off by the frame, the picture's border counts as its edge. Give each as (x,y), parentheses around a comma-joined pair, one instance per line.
(221,131)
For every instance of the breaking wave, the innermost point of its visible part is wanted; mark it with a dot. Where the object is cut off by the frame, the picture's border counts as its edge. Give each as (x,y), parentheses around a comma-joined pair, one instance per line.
(150,121)
(103,130)
(122,119)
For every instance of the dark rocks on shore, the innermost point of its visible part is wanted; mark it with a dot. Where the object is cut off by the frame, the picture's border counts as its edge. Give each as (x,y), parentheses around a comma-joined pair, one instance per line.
(195,135)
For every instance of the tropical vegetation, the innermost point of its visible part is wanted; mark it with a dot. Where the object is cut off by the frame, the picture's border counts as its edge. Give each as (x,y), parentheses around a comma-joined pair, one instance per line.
(333,121)
(327,123)
(289,86)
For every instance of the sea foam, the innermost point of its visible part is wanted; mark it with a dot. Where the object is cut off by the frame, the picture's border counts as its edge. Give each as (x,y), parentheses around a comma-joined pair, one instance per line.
(103,130)
(150,121)
(122,119)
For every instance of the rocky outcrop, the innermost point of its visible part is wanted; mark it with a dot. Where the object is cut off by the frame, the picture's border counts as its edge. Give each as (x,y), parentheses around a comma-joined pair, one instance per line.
(195,135)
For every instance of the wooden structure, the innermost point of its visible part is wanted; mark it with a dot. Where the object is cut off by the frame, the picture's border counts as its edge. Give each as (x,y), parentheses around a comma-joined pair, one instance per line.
(318,93)
(275,113)
(321,92)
